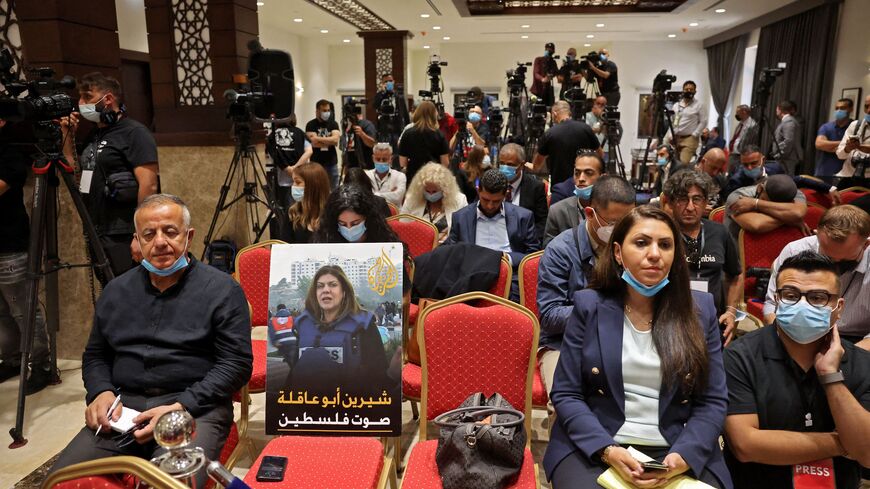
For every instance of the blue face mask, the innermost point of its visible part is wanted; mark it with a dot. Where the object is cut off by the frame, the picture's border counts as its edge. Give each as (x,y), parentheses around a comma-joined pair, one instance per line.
(508,171)
(867,118)
(382,168)
(583,193)
(803,322)
(546,53)
(389,86)
(474,117)
(353,233)
(840,114)
(603,57)
(569,57)
(434,197)
(662,161)
(179,264)
(297,193)
(754,173)
(644,290)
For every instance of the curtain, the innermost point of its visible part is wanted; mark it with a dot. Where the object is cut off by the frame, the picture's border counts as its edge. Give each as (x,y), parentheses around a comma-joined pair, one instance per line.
(806,43)
(724,64)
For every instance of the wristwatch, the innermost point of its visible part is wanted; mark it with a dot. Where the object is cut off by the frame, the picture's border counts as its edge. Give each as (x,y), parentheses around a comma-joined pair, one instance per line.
(603,453)
(833,378)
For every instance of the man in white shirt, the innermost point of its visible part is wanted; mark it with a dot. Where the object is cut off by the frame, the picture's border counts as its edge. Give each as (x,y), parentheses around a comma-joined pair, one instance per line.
(689,121)
(855,145)
(386,182)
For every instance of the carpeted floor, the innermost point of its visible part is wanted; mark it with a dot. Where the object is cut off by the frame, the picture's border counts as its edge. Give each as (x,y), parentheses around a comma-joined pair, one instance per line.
(35,478)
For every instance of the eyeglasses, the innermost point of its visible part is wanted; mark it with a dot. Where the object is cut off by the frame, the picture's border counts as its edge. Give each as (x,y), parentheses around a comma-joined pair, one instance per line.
(817,298)
(697,200)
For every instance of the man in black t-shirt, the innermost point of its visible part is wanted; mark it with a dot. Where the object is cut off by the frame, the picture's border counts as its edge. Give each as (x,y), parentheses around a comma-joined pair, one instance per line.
(363,134)
(607,76)
(14,240)
(569,75)
(118,167)
(560,144)
(323,133)
(712,256)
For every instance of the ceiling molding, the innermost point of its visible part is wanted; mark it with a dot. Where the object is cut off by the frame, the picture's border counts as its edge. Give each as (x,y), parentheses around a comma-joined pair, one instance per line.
(354,13)
(544,7)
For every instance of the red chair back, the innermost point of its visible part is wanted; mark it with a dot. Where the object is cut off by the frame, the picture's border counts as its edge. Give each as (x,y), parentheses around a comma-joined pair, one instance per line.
(814,197)
(393,209)
(528,271)
(252,272)
(814,215)
(760,250)
(717,214)
(852,193)
(418,235)
(502,286)
(458,360)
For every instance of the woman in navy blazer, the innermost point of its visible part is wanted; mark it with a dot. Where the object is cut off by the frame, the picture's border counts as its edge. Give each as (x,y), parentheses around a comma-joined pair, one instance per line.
(641,287)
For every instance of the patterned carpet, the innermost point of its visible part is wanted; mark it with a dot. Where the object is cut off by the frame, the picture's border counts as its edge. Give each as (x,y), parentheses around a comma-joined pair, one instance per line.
(35,478)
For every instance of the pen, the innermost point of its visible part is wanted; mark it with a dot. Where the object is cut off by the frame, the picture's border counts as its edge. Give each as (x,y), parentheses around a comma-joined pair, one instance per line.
(109,414)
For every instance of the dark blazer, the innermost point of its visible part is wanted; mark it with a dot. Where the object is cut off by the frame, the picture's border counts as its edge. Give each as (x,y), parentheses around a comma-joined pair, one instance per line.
(562,190)
(520,228)
(788,140)
(589,397)
(533,197)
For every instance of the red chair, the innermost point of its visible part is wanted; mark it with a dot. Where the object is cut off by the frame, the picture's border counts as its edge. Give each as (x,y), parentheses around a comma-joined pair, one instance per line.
(852,193)
(502,286)
(759,251)
(122,472)
(419,235)
(814,215)
(456,362)
(328,462)
(717,214)
(815,197)
(394,210)
(528,298)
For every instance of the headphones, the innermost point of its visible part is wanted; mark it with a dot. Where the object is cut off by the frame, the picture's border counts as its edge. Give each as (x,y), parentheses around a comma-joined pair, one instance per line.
(109,117)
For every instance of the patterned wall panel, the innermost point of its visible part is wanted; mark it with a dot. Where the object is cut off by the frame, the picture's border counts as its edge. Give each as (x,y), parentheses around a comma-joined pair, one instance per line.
(10,37)
(191,38)
(383,62)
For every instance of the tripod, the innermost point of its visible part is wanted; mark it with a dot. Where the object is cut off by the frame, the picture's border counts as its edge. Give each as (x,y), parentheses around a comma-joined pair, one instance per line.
(247,164)
(515,129)
(662,124)
(613,136)
(43,240)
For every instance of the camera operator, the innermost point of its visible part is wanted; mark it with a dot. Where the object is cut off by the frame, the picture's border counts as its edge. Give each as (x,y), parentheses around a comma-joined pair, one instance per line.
(561,143)
(855,146)
(357,129)
(569,75)
(118,167)
(287,147)
(386,89)
(543,70)
(323,133)
(689,121)
(476,132)
(606,73)
(14,241)
(595,118)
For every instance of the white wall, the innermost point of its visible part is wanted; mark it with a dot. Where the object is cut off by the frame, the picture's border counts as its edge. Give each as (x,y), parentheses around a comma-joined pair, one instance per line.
(132,33)
(852,63)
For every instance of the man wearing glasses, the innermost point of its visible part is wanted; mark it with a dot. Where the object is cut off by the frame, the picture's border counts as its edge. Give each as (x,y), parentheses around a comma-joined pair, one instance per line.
(714,262)
(798,395)
(841,237)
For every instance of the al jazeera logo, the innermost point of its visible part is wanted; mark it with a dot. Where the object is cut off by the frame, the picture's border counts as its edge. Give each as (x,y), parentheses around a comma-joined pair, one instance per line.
(383,275)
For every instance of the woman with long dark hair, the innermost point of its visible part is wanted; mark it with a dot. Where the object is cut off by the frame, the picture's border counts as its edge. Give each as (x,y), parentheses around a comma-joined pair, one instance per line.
(640,365)
(357,176)
(351,216)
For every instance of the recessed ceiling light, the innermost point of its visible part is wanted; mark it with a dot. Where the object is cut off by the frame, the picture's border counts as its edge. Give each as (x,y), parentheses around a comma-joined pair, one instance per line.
(425,16)
(524,36)
(297,19)
(446,38)
(693,24)
(587,45)
(436,27)
(719,11)
(599,25)
(260,4)
(590,36)
(324,31)
(525,26)
(426,47)
(672,36)
(345,40)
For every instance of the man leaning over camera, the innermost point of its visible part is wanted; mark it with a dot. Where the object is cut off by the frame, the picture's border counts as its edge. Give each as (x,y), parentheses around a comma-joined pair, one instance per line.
(607,75)
(855,146)
(187,345)
(118,167)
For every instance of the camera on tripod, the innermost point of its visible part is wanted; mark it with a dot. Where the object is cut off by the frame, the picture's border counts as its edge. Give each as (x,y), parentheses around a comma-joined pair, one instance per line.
(434,69)
(610,118)
(45,99)
(663,82)
(537,119)
(460,112)
(767,78)
(592,58)
(240,104)
(517,76)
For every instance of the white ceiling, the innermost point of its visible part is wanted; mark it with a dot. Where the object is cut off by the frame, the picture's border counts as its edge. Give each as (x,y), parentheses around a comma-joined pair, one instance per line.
(561,28)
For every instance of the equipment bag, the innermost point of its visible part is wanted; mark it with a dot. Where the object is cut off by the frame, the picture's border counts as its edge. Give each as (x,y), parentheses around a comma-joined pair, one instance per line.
(221,254)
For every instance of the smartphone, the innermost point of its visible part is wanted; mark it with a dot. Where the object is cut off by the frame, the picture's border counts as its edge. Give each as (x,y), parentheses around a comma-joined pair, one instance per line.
(272,469)
(653,465)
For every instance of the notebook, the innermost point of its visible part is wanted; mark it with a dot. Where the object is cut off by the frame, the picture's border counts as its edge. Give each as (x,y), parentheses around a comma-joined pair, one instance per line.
(611,479)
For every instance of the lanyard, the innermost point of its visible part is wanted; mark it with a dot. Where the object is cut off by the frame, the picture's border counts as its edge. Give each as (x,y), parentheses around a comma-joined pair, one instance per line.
(380,183)
(700,247)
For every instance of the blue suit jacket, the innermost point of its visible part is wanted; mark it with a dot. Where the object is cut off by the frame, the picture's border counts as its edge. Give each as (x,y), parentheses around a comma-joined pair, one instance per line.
(520,224)
(589,397)
(561,190)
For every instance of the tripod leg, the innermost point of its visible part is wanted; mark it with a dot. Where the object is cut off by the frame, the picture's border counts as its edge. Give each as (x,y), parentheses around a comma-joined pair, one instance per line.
(88,225)
(219,207)
(52,307)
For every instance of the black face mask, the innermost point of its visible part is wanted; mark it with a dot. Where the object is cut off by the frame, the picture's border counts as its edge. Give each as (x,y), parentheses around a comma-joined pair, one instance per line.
(688,95)
(845,266)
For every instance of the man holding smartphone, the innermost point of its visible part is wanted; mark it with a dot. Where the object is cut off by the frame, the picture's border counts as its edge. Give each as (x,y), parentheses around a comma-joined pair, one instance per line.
(854,148)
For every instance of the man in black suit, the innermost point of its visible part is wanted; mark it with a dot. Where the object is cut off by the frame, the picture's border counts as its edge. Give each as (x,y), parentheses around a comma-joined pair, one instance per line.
(523,190)
(787,148)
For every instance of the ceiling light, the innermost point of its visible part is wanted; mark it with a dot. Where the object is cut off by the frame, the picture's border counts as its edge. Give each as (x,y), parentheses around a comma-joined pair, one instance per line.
(425,16)
(693,24)
(260,4)
(524,36)
(719,11)
(446,38)
(525,26)
(324,31)
(426,47)
(436,27)
(297,19)
(672,36)
(590,36)
(599,25)
(587,45)
(345,40)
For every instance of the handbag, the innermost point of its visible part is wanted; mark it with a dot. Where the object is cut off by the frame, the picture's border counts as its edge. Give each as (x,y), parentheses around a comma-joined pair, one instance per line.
(481,445)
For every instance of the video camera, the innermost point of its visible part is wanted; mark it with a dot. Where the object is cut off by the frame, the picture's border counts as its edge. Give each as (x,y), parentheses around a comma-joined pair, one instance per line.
(610,117)
(537,119)
(592,58)
(240,103)
(767,78)
(434,69)
(45,100)
(517,76)
(663,82)
(460,112)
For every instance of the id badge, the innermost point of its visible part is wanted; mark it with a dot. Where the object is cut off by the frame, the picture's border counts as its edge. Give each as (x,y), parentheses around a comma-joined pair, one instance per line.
(699,285)
(814,475)
(85,182)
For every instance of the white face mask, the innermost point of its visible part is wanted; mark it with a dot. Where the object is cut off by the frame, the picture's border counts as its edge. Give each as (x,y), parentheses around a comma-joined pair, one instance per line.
(90,112)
